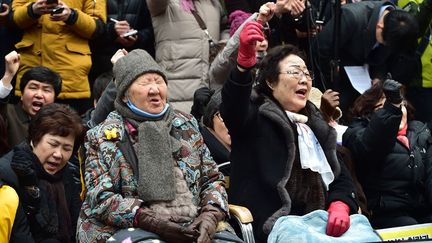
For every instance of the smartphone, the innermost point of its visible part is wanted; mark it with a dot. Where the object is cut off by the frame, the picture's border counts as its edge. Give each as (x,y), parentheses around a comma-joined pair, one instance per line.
(57,10)
(130,33)
(52,1)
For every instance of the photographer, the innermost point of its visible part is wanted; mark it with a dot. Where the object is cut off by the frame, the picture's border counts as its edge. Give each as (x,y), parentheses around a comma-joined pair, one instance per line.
(393,157)
(56,36)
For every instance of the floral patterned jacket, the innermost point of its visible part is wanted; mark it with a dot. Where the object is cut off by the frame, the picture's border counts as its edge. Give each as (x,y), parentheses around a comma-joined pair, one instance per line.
(112,198)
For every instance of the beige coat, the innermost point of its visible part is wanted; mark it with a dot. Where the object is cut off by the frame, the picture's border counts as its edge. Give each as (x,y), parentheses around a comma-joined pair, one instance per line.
(182,48)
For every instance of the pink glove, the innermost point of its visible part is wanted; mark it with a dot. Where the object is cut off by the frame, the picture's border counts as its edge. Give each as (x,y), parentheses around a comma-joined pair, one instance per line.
(338,219)
(250,34)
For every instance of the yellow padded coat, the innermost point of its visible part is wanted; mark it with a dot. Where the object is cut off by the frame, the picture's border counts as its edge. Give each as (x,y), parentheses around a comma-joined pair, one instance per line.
(58,46)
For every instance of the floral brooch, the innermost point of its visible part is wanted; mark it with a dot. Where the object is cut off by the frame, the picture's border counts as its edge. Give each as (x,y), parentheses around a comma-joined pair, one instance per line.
(111,134)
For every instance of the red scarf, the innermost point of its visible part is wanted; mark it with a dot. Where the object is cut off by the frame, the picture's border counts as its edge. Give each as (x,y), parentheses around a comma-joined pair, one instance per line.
(401,136)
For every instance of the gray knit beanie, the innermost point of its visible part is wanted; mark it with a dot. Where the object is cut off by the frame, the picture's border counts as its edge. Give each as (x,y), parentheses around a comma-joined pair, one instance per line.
(131,66)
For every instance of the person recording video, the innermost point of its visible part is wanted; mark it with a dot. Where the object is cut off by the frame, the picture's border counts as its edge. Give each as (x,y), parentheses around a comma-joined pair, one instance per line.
(56,35)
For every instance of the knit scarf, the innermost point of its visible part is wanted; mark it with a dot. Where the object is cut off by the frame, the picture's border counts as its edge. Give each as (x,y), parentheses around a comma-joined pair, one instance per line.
(401,136)
(311,153)
(53,216)
(154,153)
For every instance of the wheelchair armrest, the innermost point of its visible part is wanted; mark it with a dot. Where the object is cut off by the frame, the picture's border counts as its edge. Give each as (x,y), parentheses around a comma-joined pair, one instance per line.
(242,213)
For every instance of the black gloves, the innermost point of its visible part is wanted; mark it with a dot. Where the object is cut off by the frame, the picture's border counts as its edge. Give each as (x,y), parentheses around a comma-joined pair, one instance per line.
(392,91)
(23,164)
(201,98)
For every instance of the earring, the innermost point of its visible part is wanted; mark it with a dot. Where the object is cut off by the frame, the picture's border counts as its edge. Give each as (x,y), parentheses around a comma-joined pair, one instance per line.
(31,144)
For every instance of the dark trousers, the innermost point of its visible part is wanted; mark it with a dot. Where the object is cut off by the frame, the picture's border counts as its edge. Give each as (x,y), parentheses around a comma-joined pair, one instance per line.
(400,218)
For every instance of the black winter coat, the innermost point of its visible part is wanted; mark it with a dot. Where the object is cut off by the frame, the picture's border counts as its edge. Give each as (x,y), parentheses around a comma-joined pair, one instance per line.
(393,177)
(263,151)
(72,187)
(136,13)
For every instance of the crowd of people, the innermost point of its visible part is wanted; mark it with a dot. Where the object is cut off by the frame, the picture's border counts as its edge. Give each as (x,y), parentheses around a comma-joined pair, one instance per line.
(121,120)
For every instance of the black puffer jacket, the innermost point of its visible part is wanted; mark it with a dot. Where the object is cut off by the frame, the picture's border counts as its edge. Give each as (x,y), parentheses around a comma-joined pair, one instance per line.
(393,177)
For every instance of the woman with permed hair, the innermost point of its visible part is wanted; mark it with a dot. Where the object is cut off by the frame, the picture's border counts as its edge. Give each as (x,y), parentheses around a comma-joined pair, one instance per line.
(36,169)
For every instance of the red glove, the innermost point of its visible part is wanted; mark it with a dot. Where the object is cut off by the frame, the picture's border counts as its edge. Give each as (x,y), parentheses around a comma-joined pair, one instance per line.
(249,35)
(338,219)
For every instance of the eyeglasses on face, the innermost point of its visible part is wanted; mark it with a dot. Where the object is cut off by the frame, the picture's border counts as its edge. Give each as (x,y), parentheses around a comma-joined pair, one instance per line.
(298,73)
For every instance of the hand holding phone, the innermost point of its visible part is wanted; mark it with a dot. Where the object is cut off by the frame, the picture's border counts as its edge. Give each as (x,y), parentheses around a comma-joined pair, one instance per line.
(51,1)
(57,10)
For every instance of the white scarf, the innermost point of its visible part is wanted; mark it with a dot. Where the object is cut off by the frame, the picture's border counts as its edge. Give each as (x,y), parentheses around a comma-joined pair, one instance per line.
(311,153)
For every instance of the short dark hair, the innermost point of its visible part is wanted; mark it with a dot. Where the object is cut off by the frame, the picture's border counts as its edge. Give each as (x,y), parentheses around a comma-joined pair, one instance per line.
(43,75)
(56,119)
(268,69)
(100,83)
(400,30)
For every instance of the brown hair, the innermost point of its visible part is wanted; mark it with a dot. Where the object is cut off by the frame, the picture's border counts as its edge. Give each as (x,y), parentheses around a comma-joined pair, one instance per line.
(364,105)
(56,119)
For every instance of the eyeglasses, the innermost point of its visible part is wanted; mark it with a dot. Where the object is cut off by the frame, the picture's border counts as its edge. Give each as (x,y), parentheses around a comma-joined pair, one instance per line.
(298,74)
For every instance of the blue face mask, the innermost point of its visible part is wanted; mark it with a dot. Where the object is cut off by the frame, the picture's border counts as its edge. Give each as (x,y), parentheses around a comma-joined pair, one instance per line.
(142,113)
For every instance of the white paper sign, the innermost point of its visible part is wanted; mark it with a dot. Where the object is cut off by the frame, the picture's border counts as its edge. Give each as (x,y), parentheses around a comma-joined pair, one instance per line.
(359,77)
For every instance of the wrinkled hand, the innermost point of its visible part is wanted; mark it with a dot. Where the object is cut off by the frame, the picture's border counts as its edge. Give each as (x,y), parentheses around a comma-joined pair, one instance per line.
(164,226)
(4,10)
(249,35)
(207,223)
(119,54)
(40,7)
(12,62)
(22,163)
(392,91)
(338,219)
(201,97)
(266,12)
(329,102)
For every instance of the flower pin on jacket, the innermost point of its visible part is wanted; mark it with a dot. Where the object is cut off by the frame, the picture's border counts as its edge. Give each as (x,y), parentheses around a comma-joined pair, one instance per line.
(111,134)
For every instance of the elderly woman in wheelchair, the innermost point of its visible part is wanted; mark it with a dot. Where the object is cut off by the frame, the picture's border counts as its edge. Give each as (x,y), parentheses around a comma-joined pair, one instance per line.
(147,167)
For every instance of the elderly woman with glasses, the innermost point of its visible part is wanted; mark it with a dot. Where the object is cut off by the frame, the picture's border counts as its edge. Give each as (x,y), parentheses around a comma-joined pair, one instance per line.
(283,153)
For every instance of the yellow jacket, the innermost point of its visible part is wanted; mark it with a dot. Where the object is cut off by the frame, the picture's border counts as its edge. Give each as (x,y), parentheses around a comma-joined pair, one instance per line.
(58,46)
